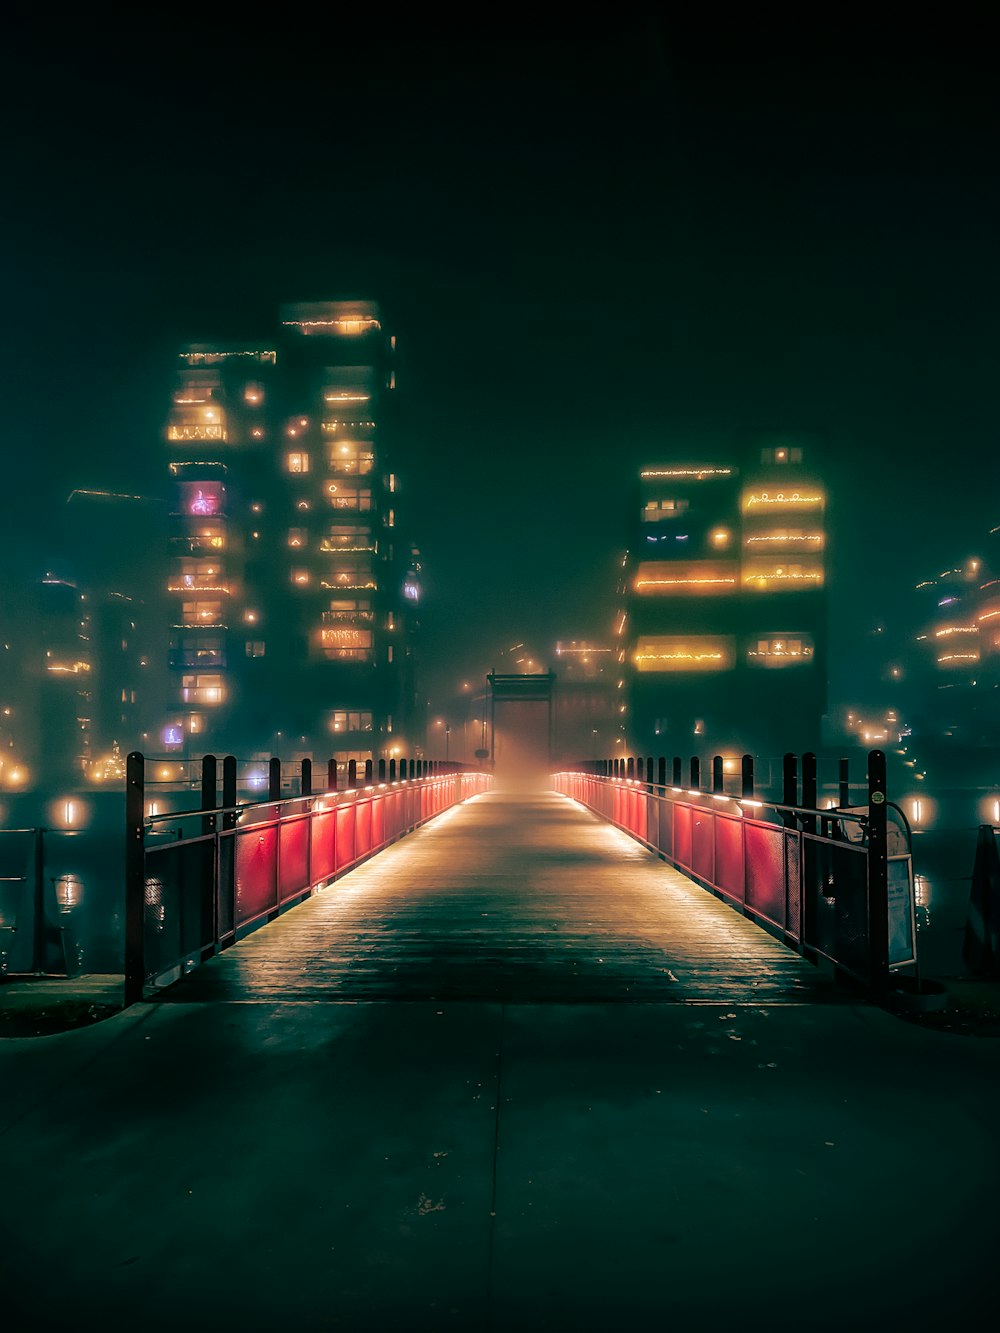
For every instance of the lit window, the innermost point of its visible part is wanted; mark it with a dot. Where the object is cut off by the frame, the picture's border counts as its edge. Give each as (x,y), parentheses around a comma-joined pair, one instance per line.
(255,647)
(350,721)
(202,689)
(781,650)
(297,537)
(297,462)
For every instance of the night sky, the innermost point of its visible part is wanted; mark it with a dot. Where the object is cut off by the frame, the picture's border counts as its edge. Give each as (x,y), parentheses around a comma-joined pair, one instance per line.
(598,244)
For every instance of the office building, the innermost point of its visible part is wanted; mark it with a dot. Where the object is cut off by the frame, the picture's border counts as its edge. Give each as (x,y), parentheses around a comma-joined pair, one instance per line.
(293,586)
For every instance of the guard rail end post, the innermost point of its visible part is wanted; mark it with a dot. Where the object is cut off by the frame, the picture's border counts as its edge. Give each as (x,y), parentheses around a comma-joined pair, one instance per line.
(877,875)
(810,791)
(226,883)
(209,804)
(789,786)
(135,877)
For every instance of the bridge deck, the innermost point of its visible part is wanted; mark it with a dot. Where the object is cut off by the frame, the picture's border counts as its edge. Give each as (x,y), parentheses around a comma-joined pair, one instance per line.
(518,899)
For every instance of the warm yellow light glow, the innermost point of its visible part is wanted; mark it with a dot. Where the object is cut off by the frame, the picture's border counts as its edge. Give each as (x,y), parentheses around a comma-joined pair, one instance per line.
(786,536)
(955,629)
(703,652)
(790,500)
(766,574)
(687,578)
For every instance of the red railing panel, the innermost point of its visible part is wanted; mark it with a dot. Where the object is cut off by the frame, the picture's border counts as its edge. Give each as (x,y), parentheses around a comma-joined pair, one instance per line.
(293,856)
(729,856)
(363,829)
(345,836)
(322,857)
(256,871)
(765,870)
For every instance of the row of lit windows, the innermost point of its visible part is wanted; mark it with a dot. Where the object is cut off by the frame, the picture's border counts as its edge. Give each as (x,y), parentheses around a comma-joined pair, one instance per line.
(701,578)
(718,652)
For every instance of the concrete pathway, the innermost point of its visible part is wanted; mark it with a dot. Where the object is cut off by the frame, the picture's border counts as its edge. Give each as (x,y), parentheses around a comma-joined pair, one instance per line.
(432,1134)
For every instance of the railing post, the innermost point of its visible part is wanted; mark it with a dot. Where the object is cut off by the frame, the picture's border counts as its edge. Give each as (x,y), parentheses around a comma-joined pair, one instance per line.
(810,795)
(392,770)
(695,773)
(227,846)
(878,874)
(650,764)
(844,783)
(746,777)
(369,771)
(630,767)
(661,771)
(718,781)
(206,889)
(352,772)
(790,779)
(331,775)
(381,771)
(306,782)
(274,779)
(135,877)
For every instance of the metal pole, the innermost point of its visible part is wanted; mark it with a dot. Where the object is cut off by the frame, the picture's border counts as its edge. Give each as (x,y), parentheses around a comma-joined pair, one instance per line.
(135,877)
(878,874)
(844,785)
(206,889)
(790,779)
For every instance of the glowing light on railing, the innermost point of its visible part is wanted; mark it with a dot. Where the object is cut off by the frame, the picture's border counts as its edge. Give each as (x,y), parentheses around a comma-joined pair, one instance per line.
(957,657)
(750,804)
(955,629)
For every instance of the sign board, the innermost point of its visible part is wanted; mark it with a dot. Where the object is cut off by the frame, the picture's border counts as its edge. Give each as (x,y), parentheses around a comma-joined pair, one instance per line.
(902,915)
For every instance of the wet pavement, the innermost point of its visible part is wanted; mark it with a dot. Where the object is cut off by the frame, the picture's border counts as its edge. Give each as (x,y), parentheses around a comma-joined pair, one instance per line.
(322,1130)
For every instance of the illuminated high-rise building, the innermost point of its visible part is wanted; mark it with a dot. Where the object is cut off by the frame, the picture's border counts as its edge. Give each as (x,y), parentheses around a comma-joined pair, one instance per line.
(722,628)
(293,588)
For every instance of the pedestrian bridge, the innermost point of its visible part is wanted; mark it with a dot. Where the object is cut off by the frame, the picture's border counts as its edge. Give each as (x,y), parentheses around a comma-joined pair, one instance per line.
(504,895)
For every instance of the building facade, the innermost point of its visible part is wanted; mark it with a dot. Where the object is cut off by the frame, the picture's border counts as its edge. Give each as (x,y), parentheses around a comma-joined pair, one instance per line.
(722,628)
(293,589)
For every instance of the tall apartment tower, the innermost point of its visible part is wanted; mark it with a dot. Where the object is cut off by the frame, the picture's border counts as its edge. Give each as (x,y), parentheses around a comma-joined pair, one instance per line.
(722,628)
(293,589)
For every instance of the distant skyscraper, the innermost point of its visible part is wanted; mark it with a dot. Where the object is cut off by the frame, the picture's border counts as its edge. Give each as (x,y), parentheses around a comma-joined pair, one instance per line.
(722,628)
(293,590)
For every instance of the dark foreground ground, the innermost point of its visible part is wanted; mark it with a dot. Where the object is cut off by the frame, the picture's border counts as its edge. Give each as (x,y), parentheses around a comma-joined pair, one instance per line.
(611,1108)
